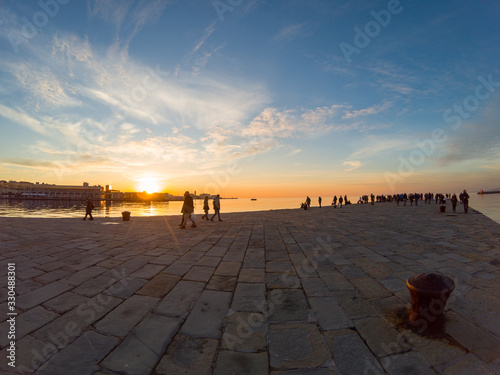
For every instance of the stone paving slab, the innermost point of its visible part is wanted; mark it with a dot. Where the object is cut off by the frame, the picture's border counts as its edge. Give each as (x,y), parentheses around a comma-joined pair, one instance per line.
(280,292)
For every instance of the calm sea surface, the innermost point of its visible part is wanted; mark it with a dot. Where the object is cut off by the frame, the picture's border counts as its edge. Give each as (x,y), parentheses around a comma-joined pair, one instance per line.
(487,204)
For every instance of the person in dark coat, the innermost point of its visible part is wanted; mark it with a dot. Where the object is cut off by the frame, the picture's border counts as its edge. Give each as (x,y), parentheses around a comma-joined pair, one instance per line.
(454,201)
(340,201)
(465,201)
(206,208)
(88,209)
(188,210)
(216,208)
(319,201)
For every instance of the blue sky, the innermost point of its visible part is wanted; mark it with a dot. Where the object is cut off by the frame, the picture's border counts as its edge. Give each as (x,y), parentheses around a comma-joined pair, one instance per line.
(251,97)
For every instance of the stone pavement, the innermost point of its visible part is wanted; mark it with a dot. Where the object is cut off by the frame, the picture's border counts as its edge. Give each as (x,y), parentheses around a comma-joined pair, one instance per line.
(312,292)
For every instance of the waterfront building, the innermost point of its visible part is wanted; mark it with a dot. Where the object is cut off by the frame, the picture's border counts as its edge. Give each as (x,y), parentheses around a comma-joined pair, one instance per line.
(24,189)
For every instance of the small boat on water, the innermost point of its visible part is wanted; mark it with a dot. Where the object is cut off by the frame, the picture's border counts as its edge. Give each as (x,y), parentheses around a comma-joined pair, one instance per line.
(495,191)
(253,199)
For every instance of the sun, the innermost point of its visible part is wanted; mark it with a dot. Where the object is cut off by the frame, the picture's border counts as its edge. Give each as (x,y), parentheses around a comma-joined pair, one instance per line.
(149,185)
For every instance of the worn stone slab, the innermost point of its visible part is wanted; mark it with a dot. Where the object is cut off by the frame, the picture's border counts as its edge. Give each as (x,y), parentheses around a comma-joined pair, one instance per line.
(407,363)
(222,283)
(335,280)
(228,269)
(282,280)
(52,276)
(369,288)
(69,326)
(180,267)
(205,320)
(35,297)
(142,349)
(229,363)
(94,286)
(437,352)
(351,354)
(329,314)
(252,275)
(245,332)
(159,286)
(208,261)
(65,302)
(288,305)
(315,287)
(81,276)
(180,299)
(129,313)
(188,356)
(381,337)
(478,341)
(295,346)
(129,267)
(81,356)
(199,273)
(282,266)
(148,271)
(468,364)
(125,288)
(248,297)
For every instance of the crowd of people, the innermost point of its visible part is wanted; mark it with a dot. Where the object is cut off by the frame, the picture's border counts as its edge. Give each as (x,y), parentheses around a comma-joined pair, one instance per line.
(189,215)
(401,198)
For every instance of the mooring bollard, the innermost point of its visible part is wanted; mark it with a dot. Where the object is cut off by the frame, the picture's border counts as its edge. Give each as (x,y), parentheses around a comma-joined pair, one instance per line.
(126,215)
(429,293)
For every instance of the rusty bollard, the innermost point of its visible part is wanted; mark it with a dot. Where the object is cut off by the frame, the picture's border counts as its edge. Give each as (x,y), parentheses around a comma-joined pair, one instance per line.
(429,293)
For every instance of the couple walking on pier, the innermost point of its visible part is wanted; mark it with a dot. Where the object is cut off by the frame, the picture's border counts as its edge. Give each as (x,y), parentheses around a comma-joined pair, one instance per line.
(188,210)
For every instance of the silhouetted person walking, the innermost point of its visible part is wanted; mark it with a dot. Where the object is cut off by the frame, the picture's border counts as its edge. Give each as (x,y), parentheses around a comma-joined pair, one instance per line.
(216,208)
(88,209)
(206,208)
(319,201)
(465,200)
(187,210)
(340,201)
(454,201)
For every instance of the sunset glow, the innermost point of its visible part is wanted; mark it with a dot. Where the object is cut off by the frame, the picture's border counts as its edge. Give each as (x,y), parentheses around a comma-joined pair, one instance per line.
(149,185)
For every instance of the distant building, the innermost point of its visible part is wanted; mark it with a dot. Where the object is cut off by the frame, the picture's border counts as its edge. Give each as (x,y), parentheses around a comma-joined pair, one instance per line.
(24,189)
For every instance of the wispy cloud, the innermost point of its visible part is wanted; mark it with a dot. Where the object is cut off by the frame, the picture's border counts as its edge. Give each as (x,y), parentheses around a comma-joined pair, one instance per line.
(382,144)
(198,57)
(289,32)
(373,110)
(17,116)
(351,165)
(127,16)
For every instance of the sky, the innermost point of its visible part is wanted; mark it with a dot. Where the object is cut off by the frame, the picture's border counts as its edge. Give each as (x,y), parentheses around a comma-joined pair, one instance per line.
(252,98)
